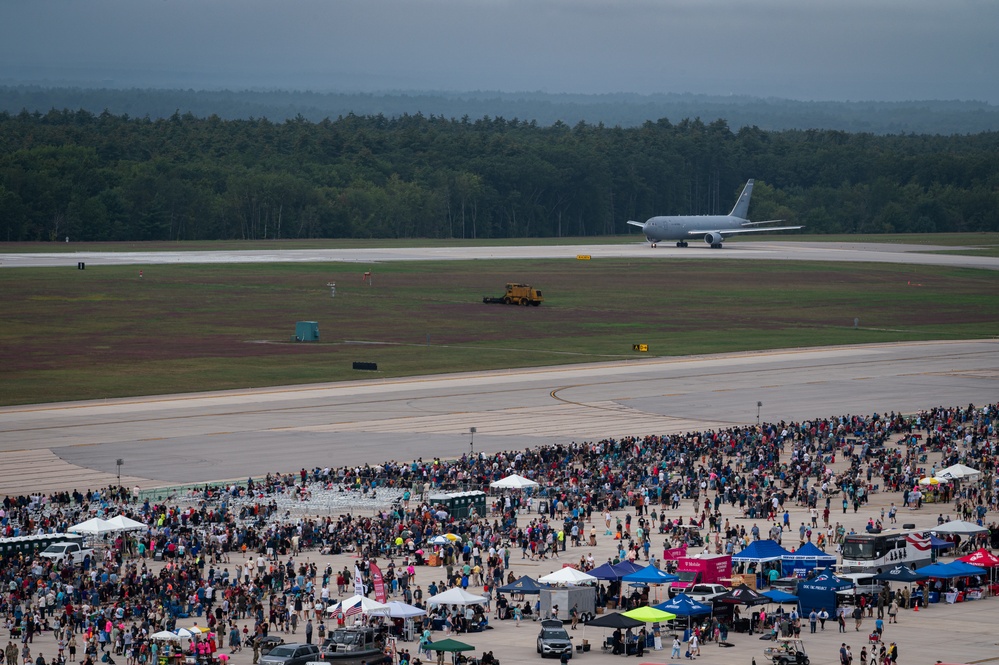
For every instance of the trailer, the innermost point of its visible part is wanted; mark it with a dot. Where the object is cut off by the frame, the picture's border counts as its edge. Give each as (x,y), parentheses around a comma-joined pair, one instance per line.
(584,598)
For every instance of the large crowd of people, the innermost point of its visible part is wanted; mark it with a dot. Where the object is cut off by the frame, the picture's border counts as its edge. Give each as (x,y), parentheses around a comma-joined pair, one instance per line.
(734,484)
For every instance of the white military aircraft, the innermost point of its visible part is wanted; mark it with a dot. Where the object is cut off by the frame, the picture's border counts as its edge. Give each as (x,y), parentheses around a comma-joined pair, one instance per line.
(713,228)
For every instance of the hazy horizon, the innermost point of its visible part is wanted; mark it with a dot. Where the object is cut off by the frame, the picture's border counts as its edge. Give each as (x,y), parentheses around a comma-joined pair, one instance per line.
(898,50)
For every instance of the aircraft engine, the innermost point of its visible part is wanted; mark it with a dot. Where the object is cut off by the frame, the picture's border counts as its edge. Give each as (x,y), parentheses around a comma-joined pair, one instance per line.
(713,238)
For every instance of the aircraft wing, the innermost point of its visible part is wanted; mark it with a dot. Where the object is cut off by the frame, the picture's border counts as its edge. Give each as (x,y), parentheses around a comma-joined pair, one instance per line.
(769,221)
(730,232)
(640,225)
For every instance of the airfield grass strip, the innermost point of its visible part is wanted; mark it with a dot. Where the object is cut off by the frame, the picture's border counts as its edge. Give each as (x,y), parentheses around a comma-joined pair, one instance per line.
(105,332)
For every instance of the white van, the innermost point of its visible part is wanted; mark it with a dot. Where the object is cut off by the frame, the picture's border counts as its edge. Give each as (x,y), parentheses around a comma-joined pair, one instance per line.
(862,583)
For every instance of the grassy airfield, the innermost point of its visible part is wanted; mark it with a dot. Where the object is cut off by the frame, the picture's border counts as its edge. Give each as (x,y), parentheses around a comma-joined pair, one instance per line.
(105,332)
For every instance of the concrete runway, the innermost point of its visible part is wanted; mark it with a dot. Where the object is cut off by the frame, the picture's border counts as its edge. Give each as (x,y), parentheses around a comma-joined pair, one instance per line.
(768,250)
(167,440)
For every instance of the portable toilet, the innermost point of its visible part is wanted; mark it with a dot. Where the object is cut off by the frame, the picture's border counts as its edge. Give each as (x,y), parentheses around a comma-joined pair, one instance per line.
(307,331)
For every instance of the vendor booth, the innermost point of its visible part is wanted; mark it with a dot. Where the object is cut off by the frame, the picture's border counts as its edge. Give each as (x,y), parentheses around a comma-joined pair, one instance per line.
(804,560)
(820,592)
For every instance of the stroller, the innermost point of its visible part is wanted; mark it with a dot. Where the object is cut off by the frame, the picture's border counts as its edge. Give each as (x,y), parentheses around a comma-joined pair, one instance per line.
(874,638)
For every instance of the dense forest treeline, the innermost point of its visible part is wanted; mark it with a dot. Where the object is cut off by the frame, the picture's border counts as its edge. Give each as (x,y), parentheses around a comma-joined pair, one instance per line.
(107,177)
(624,109)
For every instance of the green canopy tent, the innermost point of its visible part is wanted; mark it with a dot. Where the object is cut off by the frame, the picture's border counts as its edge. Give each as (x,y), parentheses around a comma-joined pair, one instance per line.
(450,646)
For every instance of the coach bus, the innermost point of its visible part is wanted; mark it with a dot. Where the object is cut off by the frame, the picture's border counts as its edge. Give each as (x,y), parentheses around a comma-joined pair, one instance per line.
(28,545)
(876,552)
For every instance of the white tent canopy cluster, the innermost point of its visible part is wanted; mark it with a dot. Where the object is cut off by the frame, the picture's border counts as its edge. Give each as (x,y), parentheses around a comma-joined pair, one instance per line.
(96,526)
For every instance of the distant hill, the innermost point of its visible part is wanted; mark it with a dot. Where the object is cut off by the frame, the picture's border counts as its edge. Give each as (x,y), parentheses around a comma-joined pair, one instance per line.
(622,109)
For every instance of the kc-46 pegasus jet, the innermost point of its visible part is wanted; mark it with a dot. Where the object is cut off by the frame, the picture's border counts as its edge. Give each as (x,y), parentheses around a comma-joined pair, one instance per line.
(713,228)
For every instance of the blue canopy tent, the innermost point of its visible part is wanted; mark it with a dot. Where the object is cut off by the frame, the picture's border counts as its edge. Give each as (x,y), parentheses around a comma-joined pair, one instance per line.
(524,585)
(805,559)
(901,574)
(940,543)
(650,575)
(780,597)
(760,556)
(683,605)
(950,570)
(605,572)
(614,572)
(626,568)
(820,592)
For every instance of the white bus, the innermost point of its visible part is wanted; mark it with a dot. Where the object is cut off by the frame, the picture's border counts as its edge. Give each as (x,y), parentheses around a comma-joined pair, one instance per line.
(876,552)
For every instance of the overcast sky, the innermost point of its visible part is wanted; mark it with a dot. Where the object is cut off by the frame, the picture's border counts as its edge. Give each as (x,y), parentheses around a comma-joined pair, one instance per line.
(800,49)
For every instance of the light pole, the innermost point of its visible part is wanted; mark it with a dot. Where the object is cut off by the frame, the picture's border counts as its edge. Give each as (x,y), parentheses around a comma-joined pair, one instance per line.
(759,405)
(119,462)
(471,444)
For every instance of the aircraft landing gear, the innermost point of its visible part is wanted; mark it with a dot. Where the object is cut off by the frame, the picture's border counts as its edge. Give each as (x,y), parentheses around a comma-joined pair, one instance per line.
(653,244)
(716,245)
(681,243)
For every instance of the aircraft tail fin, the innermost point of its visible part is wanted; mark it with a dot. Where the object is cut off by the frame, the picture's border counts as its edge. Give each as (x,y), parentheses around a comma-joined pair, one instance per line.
(741,209)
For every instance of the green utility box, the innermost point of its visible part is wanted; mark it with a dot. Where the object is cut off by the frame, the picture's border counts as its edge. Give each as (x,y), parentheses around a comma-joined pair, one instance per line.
(307,331)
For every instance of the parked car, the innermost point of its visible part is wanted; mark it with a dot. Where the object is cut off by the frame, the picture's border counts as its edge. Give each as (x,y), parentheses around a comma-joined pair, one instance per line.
(553,640)
(291,654)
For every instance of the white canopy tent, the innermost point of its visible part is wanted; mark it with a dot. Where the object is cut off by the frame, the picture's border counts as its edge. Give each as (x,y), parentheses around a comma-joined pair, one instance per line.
(514,482)
(400,610)
(367,605)
(959,527)
(568,576)
(959,472)
(122,523)
(95,526)
(456,596)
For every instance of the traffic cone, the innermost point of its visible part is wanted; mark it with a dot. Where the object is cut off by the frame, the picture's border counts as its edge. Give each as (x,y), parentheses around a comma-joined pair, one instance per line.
(916,608)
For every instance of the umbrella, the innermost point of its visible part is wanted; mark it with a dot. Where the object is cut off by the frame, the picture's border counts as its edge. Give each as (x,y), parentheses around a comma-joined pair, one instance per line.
(187,633)
(930,481)
(614,620)
(165,635)
(649,614)
(452,537)
(439,540)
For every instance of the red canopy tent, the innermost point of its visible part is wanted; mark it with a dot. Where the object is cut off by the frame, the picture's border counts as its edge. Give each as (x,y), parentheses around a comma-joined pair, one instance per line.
(982,558)
(985,559)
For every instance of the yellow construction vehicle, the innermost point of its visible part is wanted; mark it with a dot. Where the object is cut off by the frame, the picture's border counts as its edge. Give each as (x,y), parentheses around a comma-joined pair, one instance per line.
(517,294)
